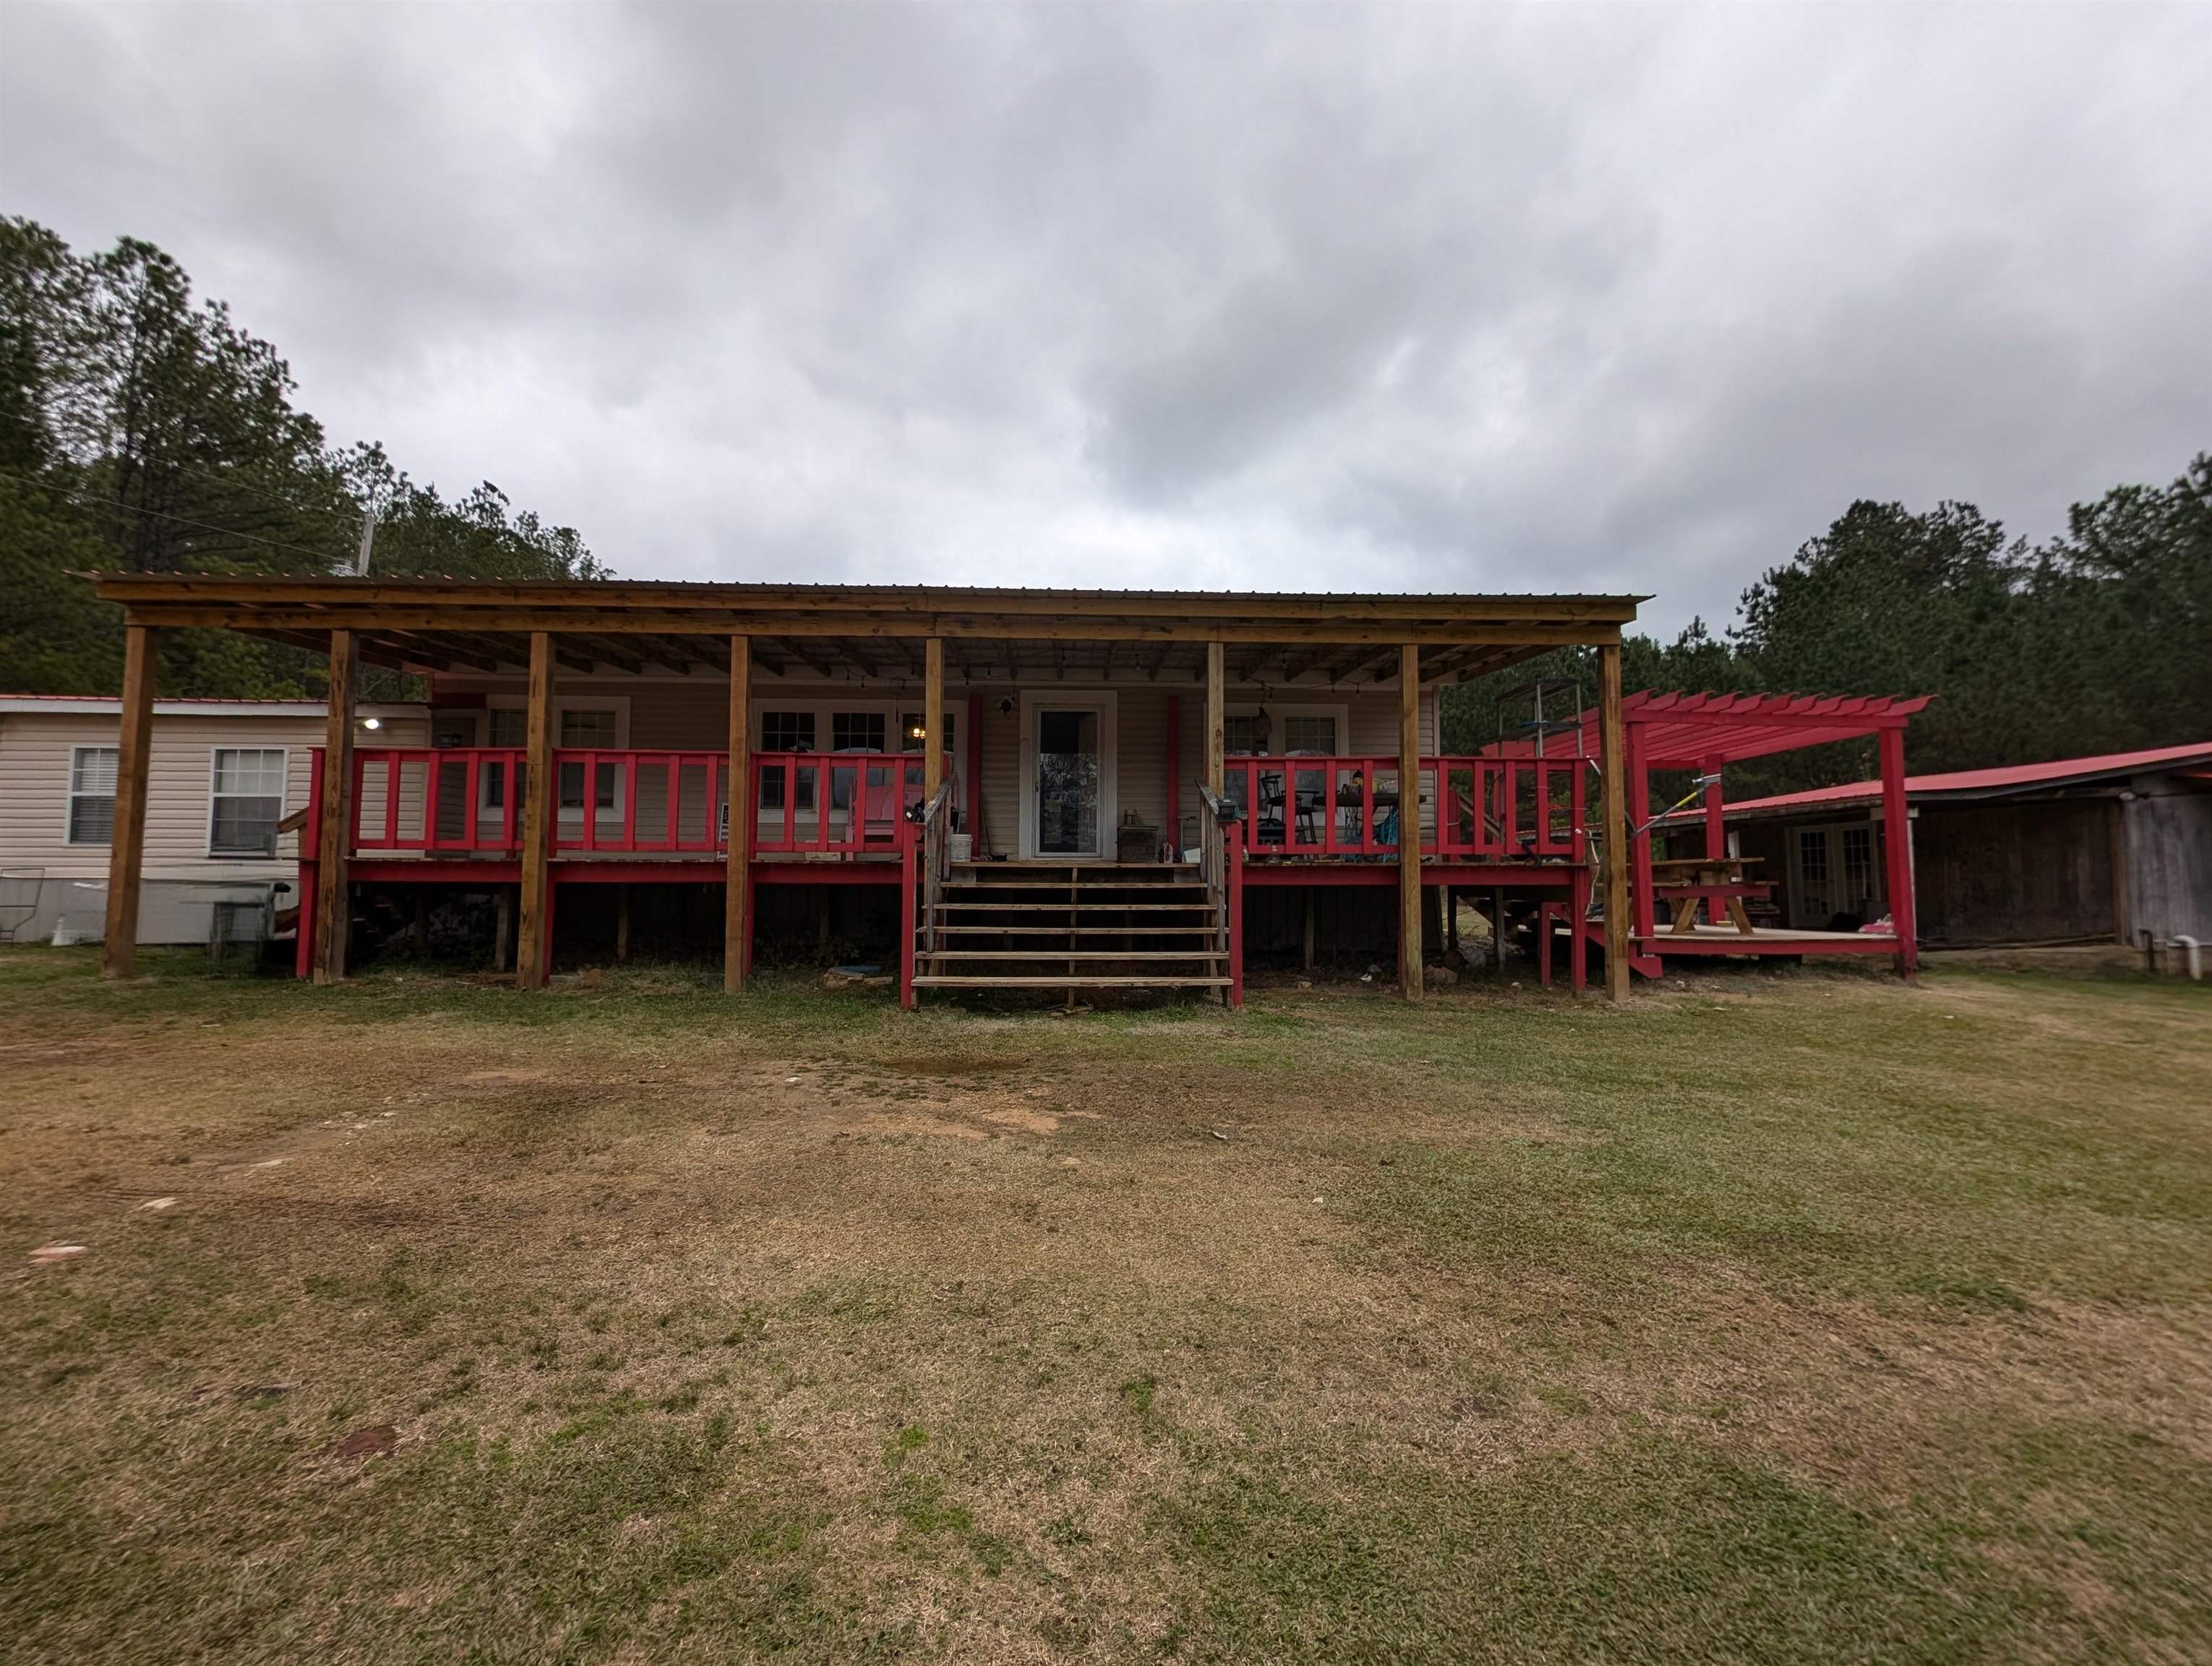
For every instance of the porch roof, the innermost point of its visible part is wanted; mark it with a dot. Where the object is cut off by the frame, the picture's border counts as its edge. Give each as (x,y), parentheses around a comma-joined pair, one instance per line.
(1681,731)
(459,625)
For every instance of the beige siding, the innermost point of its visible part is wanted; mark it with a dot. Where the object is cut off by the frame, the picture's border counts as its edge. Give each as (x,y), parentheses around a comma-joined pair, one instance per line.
(182,879)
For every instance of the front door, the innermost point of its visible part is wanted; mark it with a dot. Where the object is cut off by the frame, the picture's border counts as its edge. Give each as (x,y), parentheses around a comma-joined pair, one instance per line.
(1067,781)
(1836,876)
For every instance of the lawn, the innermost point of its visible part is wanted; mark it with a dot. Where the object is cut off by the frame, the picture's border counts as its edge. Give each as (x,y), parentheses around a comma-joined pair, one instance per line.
(1793,1317)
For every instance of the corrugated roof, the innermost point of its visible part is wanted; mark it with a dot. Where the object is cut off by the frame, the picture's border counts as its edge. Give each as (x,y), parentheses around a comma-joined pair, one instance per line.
(1990,783)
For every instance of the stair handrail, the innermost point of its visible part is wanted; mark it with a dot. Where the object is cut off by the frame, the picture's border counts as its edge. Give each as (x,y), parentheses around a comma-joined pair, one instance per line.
(1222,814)
(936,863)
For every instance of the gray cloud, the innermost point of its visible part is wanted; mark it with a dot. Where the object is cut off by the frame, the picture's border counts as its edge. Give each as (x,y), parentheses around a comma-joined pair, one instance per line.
(1407,298)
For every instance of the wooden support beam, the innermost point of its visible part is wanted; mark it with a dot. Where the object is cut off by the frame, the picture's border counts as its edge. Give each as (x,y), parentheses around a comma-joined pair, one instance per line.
(932,717)
(1409,821)
(334,838)
(1159,658)
(1613,764)
(737,925)
(126,844)
(1217,730)
(807,656)
(541,794)
(1358,659)
(1298,663)
(438,653)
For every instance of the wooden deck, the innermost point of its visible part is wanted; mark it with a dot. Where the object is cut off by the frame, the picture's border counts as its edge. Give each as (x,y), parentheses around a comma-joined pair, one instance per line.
(1704,939)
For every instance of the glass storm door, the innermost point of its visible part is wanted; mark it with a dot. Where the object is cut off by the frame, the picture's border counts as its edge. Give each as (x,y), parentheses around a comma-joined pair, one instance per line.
(1067,781)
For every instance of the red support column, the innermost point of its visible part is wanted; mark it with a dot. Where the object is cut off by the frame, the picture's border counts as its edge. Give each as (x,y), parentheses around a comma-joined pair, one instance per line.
(1897,852)
(1579,938)
(1235,903)
(906,911)
(1640,843)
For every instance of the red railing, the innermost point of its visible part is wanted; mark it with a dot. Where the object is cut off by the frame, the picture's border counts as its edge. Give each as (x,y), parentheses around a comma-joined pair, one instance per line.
(1488,809)
(834,802)
(468,800)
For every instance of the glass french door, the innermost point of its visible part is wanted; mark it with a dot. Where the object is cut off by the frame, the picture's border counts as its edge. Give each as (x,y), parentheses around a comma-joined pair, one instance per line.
(1067,781)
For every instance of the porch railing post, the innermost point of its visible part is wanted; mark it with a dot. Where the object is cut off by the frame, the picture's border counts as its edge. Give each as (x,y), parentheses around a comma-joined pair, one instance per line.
(1897,852)
(1235,888)
(907,878)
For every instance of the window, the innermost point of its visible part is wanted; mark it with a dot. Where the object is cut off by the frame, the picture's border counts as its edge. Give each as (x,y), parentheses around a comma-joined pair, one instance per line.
(1813,855)
(856,731)
(910,732)
(92,794)
(1304,733)
(510,727)
(786,732)
(1244,733)
(1858,864)
(248,800)
(588,728)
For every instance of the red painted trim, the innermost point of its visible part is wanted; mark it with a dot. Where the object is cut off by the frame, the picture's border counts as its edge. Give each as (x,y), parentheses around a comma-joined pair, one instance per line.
(1579,938)
(303,951)
(1662,943)
(906,912)
(1236,904)
(1353,874)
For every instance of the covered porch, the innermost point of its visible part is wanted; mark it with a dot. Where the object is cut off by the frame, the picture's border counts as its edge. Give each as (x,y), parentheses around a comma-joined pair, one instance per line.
(989,729)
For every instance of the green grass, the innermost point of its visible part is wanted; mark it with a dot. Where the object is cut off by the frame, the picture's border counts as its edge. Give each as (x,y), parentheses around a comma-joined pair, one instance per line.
(1772,1318)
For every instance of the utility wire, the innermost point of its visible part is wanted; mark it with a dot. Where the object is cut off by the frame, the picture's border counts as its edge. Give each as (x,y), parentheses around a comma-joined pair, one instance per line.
(91,502)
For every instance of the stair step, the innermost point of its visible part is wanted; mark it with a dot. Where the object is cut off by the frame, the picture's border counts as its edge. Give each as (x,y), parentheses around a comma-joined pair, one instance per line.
(1075,931)
(1075,954)
(1062,907)
(1071,982)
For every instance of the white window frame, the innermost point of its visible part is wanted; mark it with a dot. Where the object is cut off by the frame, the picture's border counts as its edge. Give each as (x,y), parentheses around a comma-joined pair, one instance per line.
(1106,703)
(1277,713)
(283,798)
(70,796)
(618,704)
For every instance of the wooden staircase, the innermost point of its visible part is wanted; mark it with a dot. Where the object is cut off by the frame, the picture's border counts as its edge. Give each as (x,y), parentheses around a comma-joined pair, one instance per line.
(1073,926)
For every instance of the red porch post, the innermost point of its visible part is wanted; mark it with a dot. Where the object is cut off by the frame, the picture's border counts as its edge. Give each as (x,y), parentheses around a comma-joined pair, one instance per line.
(1897,852)
(906,911)
(1235,887)
(737,859)
(1639,843)
(303,944)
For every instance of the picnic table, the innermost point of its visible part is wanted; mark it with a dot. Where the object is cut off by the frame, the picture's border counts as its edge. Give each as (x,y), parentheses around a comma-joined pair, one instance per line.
(1683,880)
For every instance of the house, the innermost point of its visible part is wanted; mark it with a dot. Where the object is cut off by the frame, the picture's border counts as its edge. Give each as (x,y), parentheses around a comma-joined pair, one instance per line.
(2074,850)
(221,776)
(1046,788)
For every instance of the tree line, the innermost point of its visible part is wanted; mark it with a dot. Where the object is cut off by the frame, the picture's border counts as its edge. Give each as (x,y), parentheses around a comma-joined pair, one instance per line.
(2100,641)
(142,432)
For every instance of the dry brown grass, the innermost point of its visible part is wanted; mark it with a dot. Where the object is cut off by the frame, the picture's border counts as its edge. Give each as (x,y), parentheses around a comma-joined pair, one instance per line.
(1810,1316)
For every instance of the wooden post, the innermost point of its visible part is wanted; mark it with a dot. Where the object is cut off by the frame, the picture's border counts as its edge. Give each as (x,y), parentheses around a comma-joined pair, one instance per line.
(932,717)
(334,838)
(1716,839)
(1897,852)
(503,927)
(1216,718)
(621,923)
(1309,891)
(736,873)
(1612,745)
(541,794)
(1409,822)
(126,846)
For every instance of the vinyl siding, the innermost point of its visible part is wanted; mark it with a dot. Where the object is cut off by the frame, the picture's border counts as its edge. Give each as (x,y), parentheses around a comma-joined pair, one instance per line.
(34,775)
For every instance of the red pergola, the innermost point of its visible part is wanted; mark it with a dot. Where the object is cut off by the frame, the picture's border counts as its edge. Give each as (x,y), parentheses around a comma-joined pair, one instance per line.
(1707,731)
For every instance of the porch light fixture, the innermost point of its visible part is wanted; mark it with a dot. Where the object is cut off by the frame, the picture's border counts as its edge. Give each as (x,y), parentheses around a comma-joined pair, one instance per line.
(372,722)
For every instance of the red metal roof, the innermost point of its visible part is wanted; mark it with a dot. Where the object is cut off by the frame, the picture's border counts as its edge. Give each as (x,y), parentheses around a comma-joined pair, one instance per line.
(1971,783)
(1680,731)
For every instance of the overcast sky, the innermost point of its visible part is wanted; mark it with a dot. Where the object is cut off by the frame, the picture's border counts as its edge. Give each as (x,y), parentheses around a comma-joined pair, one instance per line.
(1423,299)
